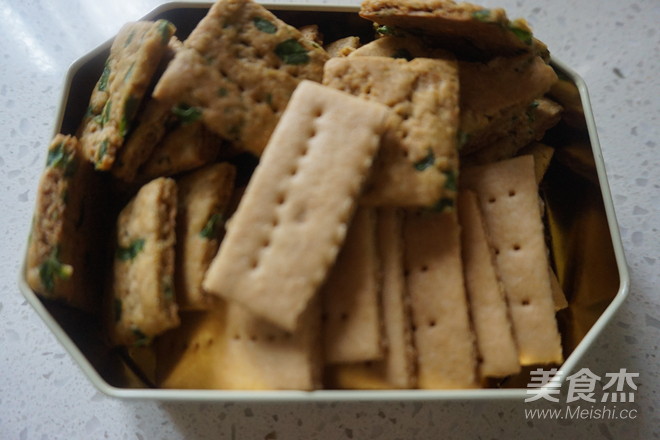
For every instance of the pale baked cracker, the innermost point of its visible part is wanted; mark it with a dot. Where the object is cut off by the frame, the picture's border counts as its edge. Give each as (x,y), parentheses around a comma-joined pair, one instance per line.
(185,148)
(59,262)
(494,92)
(463,27)
(350,296)
(498,355)
(397,368)
(444,340)
(134,57)
(237,70)
(508,197)
(418,163)
(228,348)
(203,199)
(529,126)
(142,301)
(293,217)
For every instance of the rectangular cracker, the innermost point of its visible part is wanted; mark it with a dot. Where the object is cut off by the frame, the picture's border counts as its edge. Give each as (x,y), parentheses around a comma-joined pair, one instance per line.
(185,148)
(292,220)
(352,327)
(153,121)
(237,71)
(418,163)
(508,197)
(469,29)
(134,58)
(397,368)
(399,360)
(494,93)
(528,126)
(229,348)
(142,304)
(446,354)
(59,260)
(203,199)
(498,355)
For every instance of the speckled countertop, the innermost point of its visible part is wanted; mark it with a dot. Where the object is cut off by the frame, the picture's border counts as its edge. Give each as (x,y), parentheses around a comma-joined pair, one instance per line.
(613,45)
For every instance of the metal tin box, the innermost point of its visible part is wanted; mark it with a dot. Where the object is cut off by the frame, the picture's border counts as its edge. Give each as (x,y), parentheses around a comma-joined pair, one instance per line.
(585,243)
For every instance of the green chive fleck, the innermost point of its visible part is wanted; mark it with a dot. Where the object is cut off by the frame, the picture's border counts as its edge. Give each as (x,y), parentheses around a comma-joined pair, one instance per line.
(264,25)
(387,30)
(425,162)
(403,53)
(451,182)
(103,150)
(212,226)
(130,108)
(186,113)
(105,114)
(292,52)
(165,30)
(141,339)
(481,15)
(53,268)
(105,76)
(523,35)
(58,157)
(222,92)
(131,251)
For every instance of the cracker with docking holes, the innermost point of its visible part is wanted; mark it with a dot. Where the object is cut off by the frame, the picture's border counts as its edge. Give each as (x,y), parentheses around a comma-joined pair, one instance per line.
(509,199)
(397,368)
(472,30)
(203,199)
(237,70)
(498,355)
(292,220)
(444,340)
(58,261)
(352,327)
(143,301)
(134,58)
(418,163)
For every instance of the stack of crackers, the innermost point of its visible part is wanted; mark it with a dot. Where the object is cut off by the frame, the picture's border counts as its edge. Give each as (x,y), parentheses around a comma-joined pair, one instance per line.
(386,232)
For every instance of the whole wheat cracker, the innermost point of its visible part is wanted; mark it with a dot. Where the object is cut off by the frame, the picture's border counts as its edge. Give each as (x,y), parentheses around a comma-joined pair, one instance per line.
(133,60)
(418,163)
(293,217)
(237,70)
(203,199)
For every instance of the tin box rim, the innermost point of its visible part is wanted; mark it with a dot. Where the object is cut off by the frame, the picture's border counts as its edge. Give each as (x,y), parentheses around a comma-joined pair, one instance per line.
(203,395)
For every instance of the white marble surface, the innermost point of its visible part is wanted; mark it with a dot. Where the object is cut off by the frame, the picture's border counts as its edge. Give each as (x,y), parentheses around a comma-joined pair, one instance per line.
(613,44)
